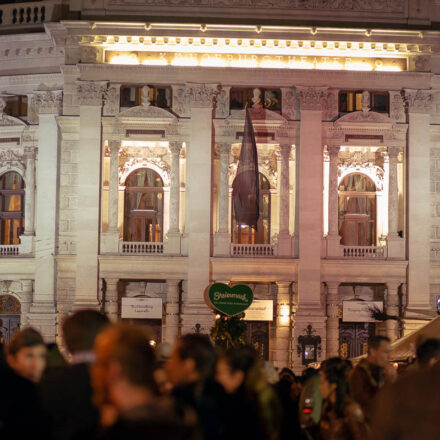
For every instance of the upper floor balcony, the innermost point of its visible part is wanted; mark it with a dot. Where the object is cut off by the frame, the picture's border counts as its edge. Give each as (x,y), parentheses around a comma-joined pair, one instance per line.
(17,17)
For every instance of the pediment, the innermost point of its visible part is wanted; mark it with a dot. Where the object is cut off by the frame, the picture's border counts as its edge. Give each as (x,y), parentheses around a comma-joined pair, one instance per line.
(362,116)
(10,121)
(258,115)
(147,112)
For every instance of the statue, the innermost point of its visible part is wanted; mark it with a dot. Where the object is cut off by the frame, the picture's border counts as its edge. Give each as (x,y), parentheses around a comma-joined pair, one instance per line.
(256,100)
(146,96)
(365,101)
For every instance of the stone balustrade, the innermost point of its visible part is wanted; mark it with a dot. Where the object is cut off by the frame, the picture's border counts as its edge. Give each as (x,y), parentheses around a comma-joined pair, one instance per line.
(140,248)
(253,250)
(364,252)
(435,251)
(29,14)
(9,250)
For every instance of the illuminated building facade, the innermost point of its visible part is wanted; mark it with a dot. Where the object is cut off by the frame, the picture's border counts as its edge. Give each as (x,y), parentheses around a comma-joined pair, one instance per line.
(119,143)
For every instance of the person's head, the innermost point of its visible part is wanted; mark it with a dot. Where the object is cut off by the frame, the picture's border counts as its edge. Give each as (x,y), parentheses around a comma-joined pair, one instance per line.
(237,367)
(379,349)
(192,360)
(26,354)
(334,384)
(286,374)
(125,361)
(428,352)
(81,328)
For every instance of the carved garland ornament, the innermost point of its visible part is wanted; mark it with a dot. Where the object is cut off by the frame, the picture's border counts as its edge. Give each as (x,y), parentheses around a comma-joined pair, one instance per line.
(155,163)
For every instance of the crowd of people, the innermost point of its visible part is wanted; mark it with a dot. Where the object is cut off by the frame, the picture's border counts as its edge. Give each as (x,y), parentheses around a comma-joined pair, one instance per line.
(116,385)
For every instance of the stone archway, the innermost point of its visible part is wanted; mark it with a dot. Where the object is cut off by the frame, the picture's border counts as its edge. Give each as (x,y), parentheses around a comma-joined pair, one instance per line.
(10,311)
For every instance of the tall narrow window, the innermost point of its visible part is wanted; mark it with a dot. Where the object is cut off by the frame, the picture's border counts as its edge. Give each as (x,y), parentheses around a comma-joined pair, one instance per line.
(143,206)
(11,208)
(357,211)
(244,234)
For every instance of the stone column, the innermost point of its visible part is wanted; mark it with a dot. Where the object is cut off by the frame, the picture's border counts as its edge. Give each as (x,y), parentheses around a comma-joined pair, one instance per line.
(222,238)
(42,314)
(285,242)
(419,105)
(171,328)
(309,156)
(173,236)
(200,97)
(25,301)
(332,319)
(29,202)
(110,238)
(27,239)
(283,324)
(396,248)
(333,238)
(392,308)
(90,97)
(111,305)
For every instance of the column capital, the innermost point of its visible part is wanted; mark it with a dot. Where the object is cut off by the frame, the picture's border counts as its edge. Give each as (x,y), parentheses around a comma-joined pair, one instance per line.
(114,146)
(175,147)
(172,282)
(333,150)
(202,95)
(91,93)
(285,149)
(283,284)
(311,98)
(47,102)
(393,286)
(393,151)
(224,148)
(111,281)
(418,101)
(332,284)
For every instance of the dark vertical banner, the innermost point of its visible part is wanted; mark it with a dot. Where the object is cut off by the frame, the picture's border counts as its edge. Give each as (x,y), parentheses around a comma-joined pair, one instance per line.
(245,189)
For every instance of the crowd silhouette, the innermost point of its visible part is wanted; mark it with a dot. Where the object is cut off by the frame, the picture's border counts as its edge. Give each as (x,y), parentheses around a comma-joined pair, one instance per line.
(115,385)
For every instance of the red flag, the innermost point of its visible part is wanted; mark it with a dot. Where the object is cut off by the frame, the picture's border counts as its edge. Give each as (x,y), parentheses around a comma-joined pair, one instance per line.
(245,189)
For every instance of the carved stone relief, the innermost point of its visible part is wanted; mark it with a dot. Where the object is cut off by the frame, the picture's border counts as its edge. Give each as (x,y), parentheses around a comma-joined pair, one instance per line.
(289,103)
(181,103)
(311,98)
(418,101)
(91,93)
(330,105)
(222,103)
(111,101)
(397,109)
(45,102)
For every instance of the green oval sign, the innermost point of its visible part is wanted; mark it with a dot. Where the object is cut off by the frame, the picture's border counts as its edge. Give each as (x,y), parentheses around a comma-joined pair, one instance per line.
(229,300)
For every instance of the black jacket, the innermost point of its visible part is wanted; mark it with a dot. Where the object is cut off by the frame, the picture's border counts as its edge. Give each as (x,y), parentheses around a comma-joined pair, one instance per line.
(21,414)
(67,398)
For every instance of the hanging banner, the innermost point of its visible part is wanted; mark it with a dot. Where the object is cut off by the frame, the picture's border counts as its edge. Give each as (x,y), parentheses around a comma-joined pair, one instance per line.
(229,300)
(260,310)
(141,308)
(359,311)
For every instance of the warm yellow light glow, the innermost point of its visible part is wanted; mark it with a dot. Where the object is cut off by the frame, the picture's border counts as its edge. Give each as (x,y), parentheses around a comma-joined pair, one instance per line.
(150,144)
(360,66)
(124,59)
(284,314)
(243,60)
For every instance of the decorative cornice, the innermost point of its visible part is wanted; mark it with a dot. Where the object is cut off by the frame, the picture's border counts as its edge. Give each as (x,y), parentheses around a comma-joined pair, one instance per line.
(363,116)
(311,98)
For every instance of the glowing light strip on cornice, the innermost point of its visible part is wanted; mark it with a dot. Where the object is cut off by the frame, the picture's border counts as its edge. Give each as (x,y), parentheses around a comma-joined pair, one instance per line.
(208,59)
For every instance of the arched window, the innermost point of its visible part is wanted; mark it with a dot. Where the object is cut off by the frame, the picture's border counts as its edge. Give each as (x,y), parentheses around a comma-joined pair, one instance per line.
(357,210)
(244,234)
(11,207)
(143,206)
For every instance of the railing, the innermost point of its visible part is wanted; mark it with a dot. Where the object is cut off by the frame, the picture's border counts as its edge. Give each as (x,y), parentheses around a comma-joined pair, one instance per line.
(140,248)
(9,250)
(29,14)
(364,252)
(252,250)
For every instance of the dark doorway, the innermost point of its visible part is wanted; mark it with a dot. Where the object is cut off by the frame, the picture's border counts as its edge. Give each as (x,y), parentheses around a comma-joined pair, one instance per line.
(154,326)
(9,324)
(353,338)
(257,336)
